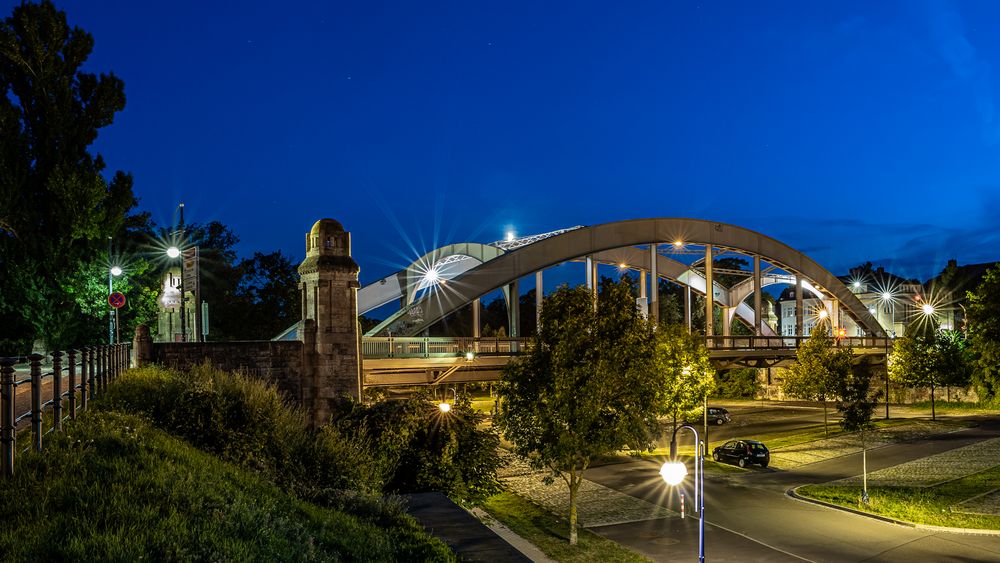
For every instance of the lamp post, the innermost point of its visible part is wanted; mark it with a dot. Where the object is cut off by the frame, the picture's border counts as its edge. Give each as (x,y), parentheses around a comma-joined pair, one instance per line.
(443,406)
(673,472)
(174,252)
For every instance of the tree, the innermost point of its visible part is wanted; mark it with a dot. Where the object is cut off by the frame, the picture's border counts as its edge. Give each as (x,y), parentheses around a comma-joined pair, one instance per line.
(586,387)
(857,404)
(268,289)
(50,113)
(683,362)
(930,359)
(983,317)
(820,367)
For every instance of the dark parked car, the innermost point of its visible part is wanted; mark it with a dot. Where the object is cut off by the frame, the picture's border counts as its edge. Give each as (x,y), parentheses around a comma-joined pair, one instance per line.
(742,453)
(718,415)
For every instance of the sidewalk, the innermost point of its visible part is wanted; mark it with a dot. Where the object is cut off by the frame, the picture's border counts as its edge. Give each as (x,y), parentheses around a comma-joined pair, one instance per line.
(470,539)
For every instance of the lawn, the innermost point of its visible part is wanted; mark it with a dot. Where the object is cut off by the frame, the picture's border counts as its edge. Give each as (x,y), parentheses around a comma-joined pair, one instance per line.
(551,534)
(937,506)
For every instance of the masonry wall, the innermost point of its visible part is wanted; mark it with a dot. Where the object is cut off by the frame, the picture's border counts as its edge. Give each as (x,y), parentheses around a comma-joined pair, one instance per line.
(277,362)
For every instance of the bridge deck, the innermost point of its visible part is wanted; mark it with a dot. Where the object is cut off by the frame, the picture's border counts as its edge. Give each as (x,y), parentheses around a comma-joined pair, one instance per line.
(408,361)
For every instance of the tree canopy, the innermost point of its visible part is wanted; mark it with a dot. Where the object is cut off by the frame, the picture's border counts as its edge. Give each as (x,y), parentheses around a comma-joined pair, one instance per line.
(586,387)
(983,318)
(818,371)
(57,209)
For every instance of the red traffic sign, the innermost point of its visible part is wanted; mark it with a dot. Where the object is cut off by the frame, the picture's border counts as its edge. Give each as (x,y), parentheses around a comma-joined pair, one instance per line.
(116,300)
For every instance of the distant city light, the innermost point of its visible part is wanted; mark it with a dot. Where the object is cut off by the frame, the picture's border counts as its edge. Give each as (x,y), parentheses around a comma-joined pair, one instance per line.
(510,236)
(622,266)
(886,296)
(173,252)
(678,243)
(116,271)
(857,284)
(871,310)
(928,309)
(823,313)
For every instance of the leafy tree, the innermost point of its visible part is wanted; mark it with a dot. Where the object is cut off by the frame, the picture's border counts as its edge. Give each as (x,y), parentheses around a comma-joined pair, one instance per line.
(818,371)
(738,383)
(930,359)
(983,317)
(586,388)
(857,405)
(269,292)
(50,113)
(683,362)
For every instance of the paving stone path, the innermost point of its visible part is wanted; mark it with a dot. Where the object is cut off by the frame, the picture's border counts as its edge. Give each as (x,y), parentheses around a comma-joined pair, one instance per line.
(597,505)
(936,469)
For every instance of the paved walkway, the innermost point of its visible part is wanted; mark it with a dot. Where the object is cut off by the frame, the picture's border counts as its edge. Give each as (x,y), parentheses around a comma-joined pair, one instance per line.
(469,538)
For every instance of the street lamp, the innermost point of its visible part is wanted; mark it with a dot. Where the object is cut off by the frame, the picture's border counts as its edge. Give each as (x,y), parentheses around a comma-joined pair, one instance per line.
(443,406)
(113,272)
(173,252)
(888,297)
(674,471)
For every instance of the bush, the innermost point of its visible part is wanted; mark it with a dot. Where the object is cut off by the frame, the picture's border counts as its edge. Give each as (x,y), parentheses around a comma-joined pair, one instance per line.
(245,421)
(738,383)
(419,448)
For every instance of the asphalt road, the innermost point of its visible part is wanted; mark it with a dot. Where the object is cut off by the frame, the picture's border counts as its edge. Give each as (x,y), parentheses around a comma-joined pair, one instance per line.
(750,518)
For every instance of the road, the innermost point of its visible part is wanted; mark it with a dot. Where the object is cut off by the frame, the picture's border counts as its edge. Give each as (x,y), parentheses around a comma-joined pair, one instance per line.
(750,518)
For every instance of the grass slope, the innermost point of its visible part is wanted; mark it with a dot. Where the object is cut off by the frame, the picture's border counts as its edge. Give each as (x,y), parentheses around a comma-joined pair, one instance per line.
(111,487)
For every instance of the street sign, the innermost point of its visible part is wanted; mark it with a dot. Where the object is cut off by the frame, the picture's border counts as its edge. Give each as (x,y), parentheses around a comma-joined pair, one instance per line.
(190,257)
(116,300)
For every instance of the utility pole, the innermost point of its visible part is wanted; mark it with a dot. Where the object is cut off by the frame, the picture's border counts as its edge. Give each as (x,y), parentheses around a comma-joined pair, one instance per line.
(183,297)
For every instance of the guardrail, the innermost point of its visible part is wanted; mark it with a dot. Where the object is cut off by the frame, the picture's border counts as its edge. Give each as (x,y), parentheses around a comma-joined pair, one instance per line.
(439,347)
(789,342)
(98,366)
(443,347)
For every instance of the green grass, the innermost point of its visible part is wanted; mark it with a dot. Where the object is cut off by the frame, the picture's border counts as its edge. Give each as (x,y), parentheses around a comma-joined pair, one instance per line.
(551,534)
(112,487)
(943,407)
(920,505)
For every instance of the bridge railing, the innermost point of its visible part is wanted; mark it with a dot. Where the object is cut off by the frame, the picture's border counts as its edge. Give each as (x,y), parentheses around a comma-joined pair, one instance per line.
(86,372)
(789,342)
(439,347)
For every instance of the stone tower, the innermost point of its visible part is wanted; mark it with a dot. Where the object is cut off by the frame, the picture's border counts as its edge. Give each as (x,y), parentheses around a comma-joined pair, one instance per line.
(330,319)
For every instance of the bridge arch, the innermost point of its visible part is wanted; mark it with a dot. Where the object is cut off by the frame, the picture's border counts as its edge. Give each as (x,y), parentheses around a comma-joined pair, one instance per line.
(589,241)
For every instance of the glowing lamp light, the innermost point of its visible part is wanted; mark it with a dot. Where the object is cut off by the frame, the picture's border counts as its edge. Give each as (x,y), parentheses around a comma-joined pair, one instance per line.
(116,271)
(823,314)
(510,236)
(173,252)
(673,472)
(622,266)
(871,310)
(469,356)
(431,276)
(886,296)
(928,309)
(444,407)
(678,243)
(857,285)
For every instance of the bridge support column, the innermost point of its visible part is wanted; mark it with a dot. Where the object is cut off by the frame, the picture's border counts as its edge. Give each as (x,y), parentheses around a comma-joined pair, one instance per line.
(798,306)
(475,318)
(654,286)
(758,321)
(539,296)
(709,292)
(330,286)
(514,308)
(687,307)
(726,321)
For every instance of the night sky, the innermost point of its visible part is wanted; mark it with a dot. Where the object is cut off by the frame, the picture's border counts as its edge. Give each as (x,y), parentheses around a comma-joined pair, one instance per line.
(852,131)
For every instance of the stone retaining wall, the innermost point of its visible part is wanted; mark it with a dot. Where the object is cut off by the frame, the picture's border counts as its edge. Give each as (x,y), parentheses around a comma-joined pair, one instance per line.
(277,362)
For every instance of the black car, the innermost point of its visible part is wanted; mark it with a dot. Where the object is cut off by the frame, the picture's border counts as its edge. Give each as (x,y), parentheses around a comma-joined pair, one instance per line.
(718,415)
(742,453)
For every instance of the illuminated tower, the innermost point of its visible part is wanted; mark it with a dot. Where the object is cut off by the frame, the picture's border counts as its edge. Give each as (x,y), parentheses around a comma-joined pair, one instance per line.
(330,319)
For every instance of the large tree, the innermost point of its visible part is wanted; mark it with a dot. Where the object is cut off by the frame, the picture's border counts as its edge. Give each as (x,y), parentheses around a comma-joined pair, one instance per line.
(585,388)
(684,364)
(984,333)
(818,370)
(57,210)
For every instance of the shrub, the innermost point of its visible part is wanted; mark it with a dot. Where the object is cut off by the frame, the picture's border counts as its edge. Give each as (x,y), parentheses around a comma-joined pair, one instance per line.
(245,421)
(738,383)
(419,448)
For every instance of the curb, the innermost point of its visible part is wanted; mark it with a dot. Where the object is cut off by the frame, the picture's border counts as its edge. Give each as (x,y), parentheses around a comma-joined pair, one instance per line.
(794,494)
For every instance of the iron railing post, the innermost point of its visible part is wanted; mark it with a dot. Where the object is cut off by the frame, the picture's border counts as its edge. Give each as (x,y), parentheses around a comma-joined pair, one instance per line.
(7,434)
(71,358)
(57,390)
(36,400)
(91,372)
(102,369)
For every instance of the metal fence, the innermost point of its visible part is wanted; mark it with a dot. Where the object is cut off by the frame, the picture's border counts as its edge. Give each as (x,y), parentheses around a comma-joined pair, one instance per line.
(87,372)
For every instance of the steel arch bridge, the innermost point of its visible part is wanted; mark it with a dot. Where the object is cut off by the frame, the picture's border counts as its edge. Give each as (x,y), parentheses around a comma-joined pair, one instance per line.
(453,276)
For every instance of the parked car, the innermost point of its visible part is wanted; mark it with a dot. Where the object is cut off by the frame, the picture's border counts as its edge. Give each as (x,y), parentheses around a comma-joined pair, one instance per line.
(718,415)
(743,453)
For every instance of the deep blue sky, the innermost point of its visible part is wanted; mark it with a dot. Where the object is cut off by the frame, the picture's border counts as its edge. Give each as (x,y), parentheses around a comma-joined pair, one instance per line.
(851,130)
